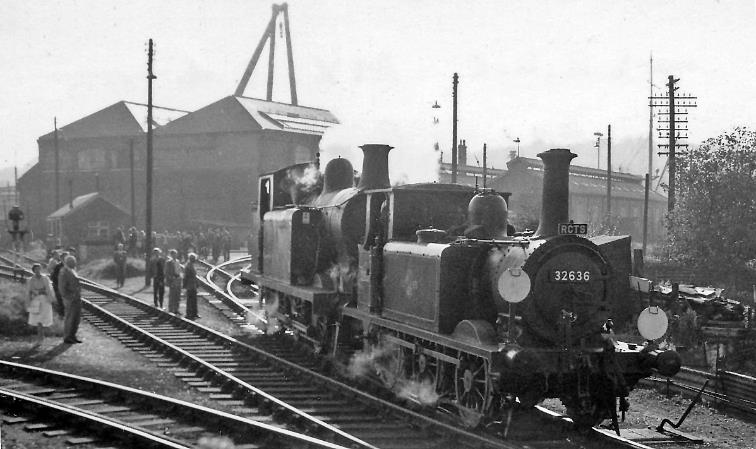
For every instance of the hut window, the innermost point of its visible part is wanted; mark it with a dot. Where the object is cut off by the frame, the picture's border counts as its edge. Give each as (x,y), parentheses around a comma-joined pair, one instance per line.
(98,229)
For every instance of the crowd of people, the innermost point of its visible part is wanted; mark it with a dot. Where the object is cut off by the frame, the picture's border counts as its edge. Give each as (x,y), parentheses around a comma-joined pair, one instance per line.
(208,244)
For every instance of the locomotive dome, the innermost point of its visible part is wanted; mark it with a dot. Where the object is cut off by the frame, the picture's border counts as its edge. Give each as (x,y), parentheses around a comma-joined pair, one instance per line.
(488,215)
(339,174)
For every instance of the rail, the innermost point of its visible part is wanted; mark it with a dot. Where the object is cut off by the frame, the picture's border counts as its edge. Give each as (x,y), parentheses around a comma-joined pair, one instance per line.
(134,397)
(726,388)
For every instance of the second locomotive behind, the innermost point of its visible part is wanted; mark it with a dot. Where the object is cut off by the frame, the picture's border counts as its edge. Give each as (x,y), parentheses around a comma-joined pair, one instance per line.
(432,284)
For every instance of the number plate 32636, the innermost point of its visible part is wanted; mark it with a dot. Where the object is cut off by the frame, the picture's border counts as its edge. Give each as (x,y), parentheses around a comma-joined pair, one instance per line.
(570,276)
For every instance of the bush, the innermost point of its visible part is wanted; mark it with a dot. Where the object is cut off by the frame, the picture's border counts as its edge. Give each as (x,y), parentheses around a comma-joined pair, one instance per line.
(105,268)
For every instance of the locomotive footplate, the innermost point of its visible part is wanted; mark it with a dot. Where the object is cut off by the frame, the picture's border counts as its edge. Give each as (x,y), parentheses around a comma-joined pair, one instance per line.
(312,294)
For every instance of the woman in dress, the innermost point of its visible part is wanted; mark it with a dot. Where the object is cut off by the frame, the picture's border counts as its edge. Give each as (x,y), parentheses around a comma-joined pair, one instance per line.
(40,297)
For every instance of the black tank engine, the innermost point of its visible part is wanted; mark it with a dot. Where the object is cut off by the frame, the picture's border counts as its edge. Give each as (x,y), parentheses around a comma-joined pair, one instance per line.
(430,288)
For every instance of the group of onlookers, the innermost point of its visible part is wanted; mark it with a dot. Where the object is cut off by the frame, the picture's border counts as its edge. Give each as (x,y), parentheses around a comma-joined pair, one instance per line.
(169,272)
(208,243)
(60,290)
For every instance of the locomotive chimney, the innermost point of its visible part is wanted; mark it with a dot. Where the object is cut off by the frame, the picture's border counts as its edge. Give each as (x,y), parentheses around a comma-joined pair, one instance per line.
(374,167)
(556,190)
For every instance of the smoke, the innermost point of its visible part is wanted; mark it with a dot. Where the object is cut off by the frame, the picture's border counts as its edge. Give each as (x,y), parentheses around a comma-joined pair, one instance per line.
(382,362)
(423,393)
(268,322)
(303,182)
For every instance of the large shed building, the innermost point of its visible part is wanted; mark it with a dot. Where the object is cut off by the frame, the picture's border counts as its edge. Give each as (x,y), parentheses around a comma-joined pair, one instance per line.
(524,179)
(206,162)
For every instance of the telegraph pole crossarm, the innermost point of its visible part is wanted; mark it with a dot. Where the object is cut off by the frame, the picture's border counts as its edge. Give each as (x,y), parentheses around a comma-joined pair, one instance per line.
(676,128)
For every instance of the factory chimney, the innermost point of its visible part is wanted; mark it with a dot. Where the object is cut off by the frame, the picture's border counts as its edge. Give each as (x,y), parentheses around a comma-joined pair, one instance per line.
(374,167)
(556,190)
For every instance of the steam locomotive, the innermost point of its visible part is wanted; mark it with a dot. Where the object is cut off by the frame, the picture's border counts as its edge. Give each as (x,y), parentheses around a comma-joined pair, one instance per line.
(431,285)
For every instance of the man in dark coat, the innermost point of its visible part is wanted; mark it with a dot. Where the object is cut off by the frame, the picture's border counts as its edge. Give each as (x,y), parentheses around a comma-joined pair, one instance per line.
(54,278)
(157,271)
(119,257)
(190,284)
(70,290)
(173,280)
(133,240)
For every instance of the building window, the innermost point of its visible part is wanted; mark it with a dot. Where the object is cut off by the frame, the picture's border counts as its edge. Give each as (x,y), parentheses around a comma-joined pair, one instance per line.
(98,230)
(53,228)
(91,159)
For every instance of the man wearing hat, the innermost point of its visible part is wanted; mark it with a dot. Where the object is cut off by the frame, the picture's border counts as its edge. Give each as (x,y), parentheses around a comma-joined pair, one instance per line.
(70,290)
(173,279)
(157,271)
(190,284)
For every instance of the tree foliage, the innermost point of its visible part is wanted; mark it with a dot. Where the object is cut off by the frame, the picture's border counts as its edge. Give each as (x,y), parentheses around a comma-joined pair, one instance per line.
(713,226)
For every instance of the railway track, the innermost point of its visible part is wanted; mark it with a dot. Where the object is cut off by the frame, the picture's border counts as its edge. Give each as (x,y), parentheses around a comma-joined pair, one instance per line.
(207,359)
(222,281)
(234,300)
(724,389)
(262,386)
(102,413)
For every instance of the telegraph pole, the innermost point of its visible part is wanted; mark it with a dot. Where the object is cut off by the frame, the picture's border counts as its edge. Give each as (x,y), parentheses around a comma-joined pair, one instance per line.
(677,129)
(609,171)
(455,81)
(133,196)
(148,212)
(651,118)
(485,166)
(57,165)
(645,212)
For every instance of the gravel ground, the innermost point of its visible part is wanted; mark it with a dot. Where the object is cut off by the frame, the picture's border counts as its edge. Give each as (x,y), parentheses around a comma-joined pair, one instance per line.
(104,358)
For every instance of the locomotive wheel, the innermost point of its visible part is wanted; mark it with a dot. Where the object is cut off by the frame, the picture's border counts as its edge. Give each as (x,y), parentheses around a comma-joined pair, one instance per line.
(473,388)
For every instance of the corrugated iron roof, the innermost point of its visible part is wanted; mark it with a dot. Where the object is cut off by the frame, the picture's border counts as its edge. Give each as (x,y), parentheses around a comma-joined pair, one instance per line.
(78,203)
(537,164)
(75,204)
(281,116)
(591,181)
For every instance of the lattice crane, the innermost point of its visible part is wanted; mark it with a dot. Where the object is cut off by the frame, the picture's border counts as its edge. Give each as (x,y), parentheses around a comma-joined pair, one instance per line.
(270,35)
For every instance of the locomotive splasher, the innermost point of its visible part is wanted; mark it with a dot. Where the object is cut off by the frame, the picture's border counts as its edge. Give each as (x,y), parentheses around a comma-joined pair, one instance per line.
(436,285)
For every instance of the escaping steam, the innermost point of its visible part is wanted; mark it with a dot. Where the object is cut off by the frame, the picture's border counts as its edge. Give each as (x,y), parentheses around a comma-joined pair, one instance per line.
(383,362)
(266,317)
(302,182)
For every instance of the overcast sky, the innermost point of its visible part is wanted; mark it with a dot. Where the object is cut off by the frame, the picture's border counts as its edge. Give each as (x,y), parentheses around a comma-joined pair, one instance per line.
(549,72)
